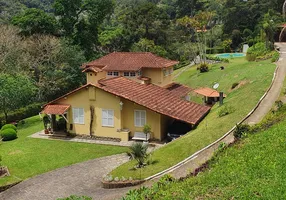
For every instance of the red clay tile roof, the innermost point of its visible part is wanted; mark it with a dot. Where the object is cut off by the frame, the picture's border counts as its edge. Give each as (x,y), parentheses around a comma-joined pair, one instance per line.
(178,89)
(57,109)
(130,61)
(208,92)
(155,98)
(92,69)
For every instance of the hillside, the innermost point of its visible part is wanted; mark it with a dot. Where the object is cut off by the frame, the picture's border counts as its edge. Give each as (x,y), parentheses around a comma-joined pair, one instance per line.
(254,79)
(253,168)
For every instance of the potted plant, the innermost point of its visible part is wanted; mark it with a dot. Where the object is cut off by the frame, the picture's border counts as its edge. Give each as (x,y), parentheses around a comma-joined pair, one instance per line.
(147,130)
(46,121)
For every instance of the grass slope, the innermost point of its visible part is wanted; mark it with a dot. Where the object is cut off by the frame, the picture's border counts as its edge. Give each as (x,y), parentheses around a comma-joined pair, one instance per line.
(256,77)
(254,168)
(26,157)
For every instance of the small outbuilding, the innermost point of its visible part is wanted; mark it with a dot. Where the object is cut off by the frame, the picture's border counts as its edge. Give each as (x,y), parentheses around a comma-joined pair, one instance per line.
(211,96)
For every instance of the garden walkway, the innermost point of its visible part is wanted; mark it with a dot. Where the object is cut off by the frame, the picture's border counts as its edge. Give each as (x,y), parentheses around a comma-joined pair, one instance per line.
(79,179)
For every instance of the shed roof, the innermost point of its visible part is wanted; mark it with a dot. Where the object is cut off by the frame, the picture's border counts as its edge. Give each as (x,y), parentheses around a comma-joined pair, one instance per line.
(208,92)
(56,109)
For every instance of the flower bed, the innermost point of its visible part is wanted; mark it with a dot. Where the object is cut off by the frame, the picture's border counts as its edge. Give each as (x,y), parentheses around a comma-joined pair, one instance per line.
(120,184)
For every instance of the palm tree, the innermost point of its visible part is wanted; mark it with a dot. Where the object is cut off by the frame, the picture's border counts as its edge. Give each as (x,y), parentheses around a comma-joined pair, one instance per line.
(138,152)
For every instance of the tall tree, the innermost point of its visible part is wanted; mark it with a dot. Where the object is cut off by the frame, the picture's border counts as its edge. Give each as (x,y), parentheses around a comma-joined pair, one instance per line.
(35,21)
(145,20)
(15,91)
(80,21)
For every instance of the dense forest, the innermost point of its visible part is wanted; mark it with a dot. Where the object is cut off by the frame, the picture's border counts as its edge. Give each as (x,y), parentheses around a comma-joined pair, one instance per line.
(44,42)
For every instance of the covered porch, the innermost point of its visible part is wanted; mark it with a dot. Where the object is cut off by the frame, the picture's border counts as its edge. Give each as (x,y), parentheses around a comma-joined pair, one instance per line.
(55,119)
(211,96)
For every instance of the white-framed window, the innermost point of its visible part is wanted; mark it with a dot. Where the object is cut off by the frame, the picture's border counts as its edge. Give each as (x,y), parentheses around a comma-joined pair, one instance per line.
(78,115)
(109,73)
(108,117)
(139,73)
(165,71)
(115,73)
(126,73)
(132,74)
(139,118)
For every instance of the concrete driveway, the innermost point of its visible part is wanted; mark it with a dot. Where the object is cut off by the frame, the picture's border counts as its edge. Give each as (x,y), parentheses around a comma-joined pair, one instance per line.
(79,179)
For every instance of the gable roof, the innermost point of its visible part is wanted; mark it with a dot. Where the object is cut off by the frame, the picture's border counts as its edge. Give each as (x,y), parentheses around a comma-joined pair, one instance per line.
(155,98)
(130,61)
(92,69)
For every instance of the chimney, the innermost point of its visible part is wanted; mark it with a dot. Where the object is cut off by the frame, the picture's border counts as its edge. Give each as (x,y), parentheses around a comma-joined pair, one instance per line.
(145,80)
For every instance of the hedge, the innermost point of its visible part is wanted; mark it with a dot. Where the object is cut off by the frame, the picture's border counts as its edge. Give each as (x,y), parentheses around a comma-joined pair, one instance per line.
(22,113)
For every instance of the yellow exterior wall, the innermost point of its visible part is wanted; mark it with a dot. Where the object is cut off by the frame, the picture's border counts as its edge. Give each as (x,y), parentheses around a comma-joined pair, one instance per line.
(152,119)
(100,100)
(79,99)
(154,74)
(157,76)
(106,100)
(123,119)
(92,77)
(166,80)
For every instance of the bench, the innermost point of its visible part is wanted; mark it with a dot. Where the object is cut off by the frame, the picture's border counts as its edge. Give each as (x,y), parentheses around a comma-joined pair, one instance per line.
(141,136)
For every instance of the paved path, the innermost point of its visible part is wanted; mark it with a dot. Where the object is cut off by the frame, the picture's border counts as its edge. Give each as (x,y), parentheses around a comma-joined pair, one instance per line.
(42,135)
(275,90)
(80,179)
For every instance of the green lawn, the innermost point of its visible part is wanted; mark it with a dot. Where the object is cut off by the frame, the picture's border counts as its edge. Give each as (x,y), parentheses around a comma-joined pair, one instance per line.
(254,168)
(26,157)
(255,78)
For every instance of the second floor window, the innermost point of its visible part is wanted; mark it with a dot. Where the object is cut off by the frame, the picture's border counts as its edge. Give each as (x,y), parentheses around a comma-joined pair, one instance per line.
(115,73)
(126,73)
(132,74)
(109,73)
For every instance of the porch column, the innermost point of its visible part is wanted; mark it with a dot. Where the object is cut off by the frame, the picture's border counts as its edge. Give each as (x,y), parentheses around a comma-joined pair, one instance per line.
(53,123)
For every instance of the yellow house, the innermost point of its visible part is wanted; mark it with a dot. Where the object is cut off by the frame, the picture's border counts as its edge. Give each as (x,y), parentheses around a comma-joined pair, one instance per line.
(125,91)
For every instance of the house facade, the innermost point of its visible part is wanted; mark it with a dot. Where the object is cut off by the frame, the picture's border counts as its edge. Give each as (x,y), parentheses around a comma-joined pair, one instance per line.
(125,91)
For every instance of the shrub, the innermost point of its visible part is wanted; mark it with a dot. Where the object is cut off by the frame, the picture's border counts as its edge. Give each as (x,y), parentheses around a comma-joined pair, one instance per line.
(8,134)
(215,58)
(7,126)
(74,197)
(203,67)
(225,110)
(259,49)
(234,85)
(138,152)
(275,56)
(240,130)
